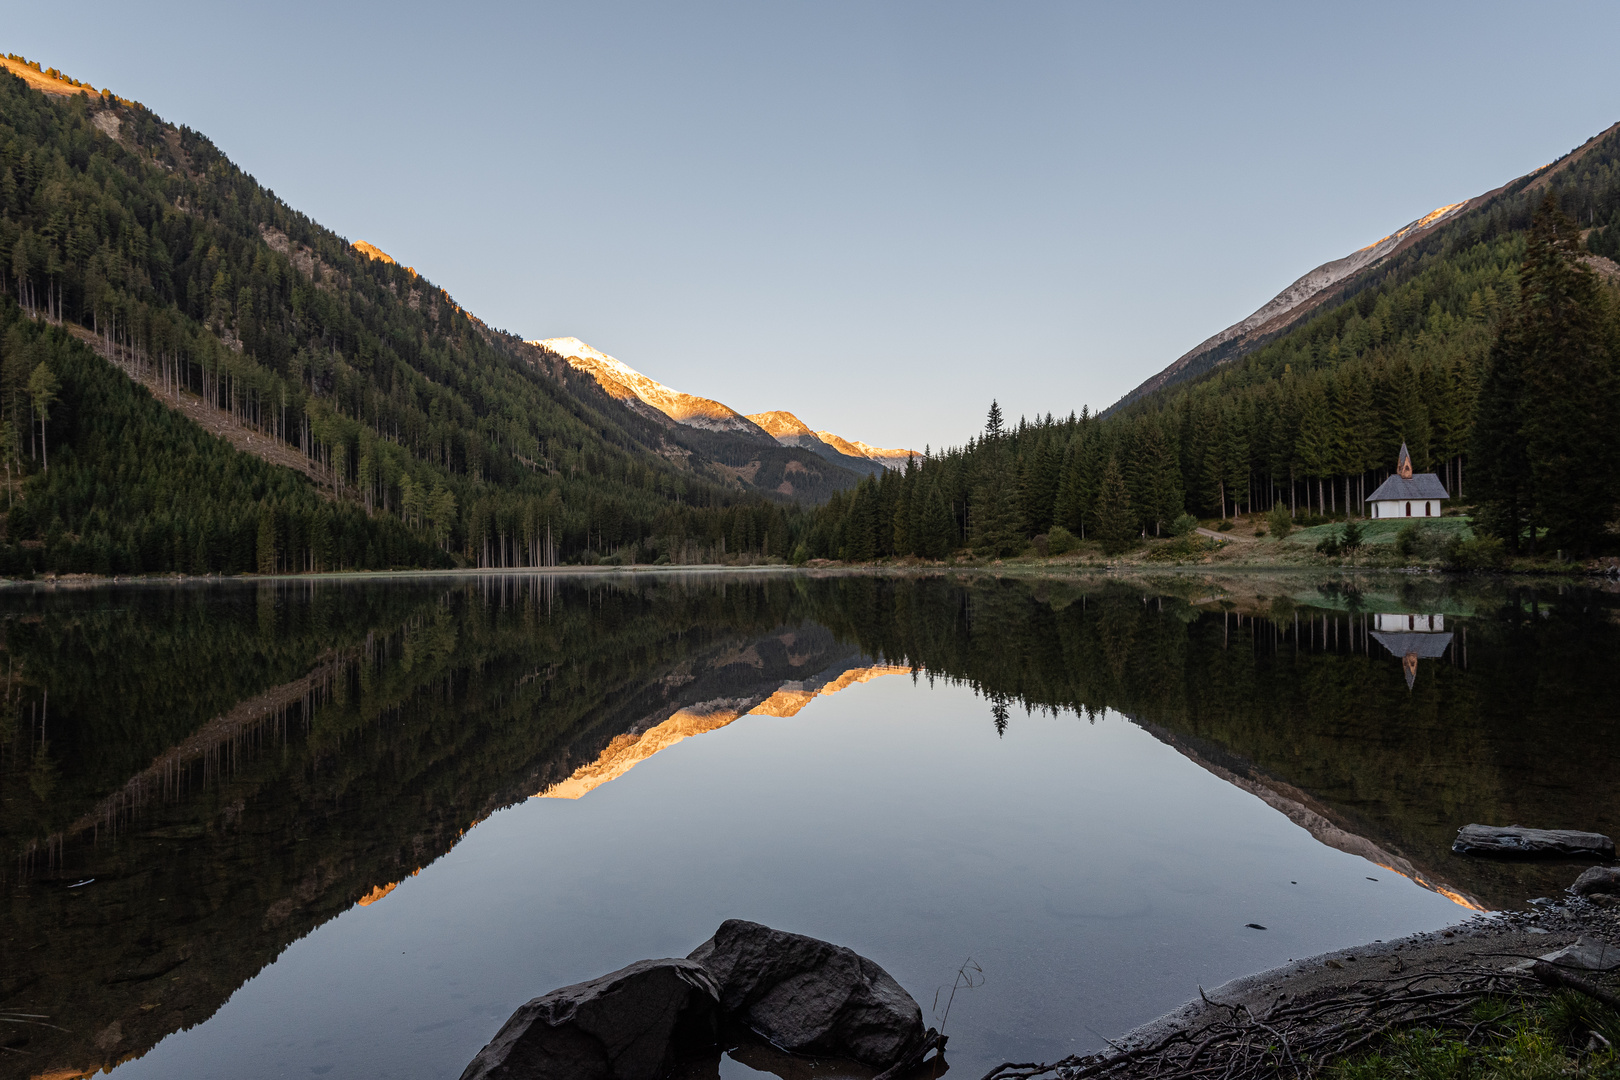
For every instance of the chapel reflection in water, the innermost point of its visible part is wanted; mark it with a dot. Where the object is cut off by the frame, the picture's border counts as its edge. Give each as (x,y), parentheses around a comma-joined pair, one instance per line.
(1412,637)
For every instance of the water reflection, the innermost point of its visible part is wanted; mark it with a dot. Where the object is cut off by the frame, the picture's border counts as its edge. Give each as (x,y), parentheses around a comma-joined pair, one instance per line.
(624,751)
(1412,637)
(192,779)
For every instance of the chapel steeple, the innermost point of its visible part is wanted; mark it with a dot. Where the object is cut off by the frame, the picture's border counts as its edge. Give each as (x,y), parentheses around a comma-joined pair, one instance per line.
(1403,464)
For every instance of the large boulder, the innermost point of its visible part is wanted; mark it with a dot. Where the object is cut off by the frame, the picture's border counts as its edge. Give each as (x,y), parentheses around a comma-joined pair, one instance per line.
(634,1024)
(809,996)
(1518,840)
(1597,879)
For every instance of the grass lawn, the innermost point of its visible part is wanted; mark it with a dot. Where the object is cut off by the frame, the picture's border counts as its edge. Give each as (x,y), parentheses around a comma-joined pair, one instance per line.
(1383,530)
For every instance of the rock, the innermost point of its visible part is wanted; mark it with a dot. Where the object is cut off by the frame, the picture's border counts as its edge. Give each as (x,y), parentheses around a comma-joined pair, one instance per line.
(1597,879)
(1588,953)
(634,1024)
(809,996)
(1517,840)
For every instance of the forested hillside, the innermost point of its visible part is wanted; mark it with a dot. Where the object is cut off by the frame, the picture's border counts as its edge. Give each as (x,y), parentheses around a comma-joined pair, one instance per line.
(1314,418)
(446,438)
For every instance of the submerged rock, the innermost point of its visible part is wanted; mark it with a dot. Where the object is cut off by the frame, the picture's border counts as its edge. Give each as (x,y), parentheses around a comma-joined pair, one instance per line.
(1518,840)
(1597,879)
(634,1024)
(809,996)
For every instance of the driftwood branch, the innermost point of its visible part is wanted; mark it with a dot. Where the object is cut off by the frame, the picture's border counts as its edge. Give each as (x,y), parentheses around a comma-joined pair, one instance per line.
(1297,1038)
(1557,976)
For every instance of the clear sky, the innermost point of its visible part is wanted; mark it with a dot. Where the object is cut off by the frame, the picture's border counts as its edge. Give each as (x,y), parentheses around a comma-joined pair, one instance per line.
(876,215)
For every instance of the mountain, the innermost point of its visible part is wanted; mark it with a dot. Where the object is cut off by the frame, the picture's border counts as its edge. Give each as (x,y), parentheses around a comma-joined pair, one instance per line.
(651,398)
(1335,279)
(636,391)
(385,425)
(892,459)
(1303,407)
(789,430)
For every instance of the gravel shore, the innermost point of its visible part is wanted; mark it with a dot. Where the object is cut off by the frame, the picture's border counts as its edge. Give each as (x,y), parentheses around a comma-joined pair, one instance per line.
(1495,941)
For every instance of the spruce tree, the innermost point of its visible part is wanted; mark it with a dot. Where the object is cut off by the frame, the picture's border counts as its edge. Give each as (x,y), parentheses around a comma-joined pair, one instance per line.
(997,515)
(937,527)
(1500,465)
(1116,525)
(1313,446)
(1567,334)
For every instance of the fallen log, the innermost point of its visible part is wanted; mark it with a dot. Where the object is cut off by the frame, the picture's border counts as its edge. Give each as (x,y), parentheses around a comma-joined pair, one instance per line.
(1516,840)
(1550,974)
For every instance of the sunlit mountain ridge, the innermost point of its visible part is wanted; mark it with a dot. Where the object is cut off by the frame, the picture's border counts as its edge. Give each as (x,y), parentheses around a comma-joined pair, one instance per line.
(1340,278)
(639,393)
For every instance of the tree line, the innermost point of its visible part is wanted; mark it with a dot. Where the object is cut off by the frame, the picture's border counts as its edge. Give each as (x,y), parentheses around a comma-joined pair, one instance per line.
(199,281)
(1488,350)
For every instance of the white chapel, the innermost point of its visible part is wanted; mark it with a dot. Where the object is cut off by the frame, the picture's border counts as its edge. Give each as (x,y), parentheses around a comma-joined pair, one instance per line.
(1405,495)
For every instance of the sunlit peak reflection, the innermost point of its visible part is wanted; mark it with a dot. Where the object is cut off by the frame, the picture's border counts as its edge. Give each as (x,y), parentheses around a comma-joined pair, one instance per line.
(377,893)
(624,752)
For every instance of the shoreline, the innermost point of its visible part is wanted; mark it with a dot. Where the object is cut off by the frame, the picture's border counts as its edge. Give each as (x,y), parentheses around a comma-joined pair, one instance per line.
(1049,569)
(1482,949)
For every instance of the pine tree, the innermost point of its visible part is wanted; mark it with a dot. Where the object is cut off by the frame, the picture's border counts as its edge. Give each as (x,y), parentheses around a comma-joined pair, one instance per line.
(1116,525)
(905,512)
(937,526)
(1313,446)
(267,539)
(1567,336)
(997,517)
(859,537)
(1156,492)
(1235,457)
(1041,475)
(42,388)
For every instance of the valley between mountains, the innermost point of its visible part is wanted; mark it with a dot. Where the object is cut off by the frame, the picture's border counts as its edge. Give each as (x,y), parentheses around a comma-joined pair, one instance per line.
(384,425)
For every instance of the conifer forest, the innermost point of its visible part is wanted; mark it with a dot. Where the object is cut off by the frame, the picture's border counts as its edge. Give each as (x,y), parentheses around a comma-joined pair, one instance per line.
(143,270)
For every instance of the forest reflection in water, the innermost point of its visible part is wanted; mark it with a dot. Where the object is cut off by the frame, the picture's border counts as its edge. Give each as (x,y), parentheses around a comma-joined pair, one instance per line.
(192,778)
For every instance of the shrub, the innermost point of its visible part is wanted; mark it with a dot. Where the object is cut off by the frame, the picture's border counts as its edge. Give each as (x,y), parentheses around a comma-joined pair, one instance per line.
(1184,524)
(1418,541)
(1328,545)
(1480,553)
(1354,535)
(1061,541)
(1224,526)
(1041,543)
(1281,521)
(1182,549)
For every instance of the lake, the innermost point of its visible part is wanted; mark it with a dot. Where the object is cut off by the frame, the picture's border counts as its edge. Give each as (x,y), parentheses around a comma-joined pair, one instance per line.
(344,827)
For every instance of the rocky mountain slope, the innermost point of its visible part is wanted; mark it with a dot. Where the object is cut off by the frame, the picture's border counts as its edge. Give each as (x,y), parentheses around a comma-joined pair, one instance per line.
(636,391)
(650,398)
(892,459)
(1336,279)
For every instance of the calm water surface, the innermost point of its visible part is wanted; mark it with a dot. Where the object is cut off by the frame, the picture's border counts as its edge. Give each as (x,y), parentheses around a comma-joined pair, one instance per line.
(284,830)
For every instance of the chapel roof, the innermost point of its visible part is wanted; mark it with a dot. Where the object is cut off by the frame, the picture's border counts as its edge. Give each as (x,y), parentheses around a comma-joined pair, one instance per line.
(1424,646)
(1420,486)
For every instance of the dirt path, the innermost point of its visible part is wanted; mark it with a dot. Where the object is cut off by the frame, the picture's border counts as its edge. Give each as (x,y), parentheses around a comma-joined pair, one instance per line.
(1213,535)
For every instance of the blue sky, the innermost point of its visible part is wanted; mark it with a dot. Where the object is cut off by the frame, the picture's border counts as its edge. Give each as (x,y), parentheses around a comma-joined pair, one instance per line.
(878,216)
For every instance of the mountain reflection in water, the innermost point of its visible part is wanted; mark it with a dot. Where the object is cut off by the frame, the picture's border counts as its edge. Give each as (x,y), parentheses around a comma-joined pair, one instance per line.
(624,751)
(193,778)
